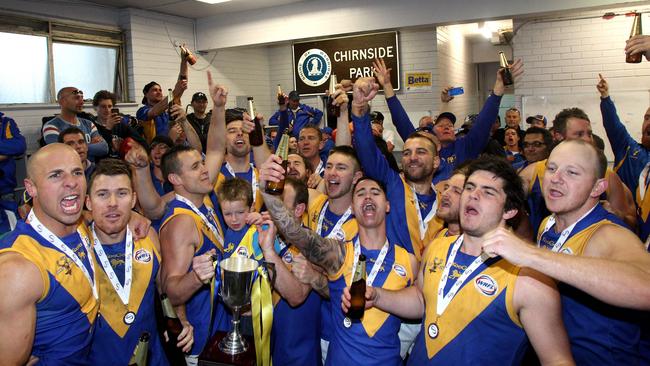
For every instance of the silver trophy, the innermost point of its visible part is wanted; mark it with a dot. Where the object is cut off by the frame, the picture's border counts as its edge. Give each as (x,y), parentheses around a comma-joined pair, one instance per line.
(237,276)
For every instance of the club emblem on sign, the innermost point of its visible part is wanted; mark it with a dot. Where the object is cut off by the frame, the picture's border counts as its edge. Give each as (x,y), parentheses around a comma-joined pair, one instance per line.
(314,67)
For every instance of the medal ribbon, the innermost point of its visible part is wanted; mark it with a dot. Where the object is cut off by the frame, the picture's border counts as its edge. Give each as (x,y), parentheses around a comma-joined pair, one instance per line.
(206,220)
(565,233)
(444,300)
(46,234)
(254,182)
(643,180)
(124,292)
(423,223)
(320,168)
(375,268)
(339,223)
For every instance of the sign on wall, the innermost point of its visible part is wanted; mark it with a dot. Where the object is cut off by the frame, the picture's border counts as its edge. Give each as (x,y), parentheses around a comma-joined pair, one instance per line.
(346,57)
(418,81)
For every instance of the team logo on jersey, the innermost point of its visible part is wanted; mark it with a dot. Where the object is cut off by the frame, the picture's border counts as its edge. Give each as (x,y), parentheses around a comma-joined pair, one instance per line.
(288,257)
(433,331)
(242,251)
(399,269)
(314,67)
(229,248)
(486,285)
(142,255)
(566,251)
(437,264)
(64,265)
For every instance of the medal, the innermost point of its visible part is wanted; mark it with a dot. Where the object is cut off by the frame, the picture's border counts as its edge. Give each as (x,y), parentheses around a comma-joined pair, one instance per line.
(433,331)
(129,318)
(337,231)
(347,322)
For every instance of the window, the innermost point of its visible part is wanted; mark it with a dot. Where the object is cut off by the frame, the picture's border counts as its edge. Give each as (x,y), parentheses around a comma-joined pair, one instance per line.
(48,56)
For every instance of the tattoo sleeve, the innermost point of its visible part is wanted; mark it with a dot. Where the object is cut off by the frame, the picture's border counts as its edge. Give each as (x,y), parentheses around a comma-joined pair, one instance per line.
(321,285)
(325,252)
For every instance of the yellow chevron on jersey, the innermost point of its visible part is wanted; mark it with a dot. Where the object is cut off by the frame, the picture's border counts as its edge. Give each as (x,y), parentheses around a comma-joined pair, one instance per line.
(111,307)
(577,243)
(469,302)
(259,200)
(400,276)
(350,227)
(61,267)
(413,221)
(200,225)
(644,204)
(245,248)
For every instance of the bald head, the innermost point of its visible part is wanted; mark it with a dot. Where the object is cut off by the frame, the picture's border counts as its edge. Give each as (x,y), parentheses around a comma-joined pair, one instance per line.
(593,157)
(43,157)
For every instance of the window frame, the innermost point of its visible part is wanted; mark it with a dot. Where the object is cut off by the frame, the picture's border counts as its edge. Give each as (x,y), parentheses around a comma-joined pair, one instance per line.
(56,31)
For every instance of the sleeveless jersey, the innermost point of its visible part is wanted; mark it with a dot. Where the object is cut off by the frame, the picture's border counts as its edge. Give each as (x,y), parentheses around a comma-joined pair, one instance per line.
(67,309)
(480,326)
(247,176)
(600,334)
(374,340)
(114,340)
(198,308)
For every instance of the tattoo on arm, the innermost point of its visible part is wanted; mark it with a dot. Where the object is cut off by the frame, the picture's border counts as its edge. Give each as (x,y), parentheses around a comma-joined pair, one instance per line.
(325,252)
(321,285)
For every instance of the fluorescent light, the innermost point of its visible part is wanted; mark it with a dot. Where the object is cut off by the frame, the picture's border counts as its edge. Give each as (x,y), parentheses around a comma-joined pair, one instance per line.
(213,1)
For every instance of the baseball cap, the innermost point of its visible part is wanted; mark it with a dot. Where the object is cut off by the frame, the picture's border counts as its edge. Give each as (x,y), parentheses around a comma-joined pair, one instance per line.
(376,116)
(146,88)
(162,139)
(448,115)
(538,117)
(294,95)
(199,96)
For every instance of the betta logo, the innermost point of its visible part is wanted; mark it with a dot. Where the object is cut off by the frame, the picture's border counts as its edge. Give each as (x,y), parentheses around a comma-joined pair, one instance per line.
(142,256)
(242,252)
(486,285)
(288,257)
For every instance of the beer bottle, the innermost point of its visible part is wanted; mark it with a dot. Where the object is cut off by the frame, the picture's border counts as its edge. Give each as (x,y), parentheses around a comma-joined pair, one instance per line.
(276,188)
(280,95)
(139,357)
(636,30)
(188,55)
(358,290)
(172,323)
(506,76)
(256,136)
(170,100)
(333,110)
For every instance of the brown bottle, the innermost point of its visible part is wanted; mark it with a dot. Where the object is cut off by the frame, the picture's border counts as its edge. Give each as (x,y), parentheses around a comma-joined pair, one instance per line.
(139,357)
(636,30)
(276,188)
(280,95)
(256,136)
(172,323)
(358,291)
(506,75)
(333,110)
(188,55)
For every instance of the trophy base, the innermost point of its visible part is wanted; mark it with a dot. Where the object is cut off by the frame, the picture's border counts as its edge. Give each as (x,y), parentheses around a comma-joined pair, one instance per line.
(212,355)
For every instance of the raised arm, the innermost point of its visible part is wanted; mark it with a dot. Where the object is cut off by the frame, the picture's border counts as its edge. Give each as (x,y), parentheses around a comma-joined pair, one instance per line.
(153,206)
(400,119)
(617,134)
(216,141)
(340,98)
(261,152)
(325,252)
(179,116)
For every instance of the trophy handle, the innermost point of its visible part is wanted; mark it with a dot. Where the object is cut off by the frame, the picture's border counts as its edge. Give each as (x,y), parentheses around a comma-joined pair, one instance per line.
(270,269)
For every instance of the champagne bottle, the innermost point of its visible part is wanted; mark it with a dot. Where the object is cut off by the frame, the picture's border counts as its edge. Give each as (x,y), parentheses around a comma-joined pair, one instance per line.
(172,323)
(358,290)
(280,95)
(139,357)
(256,137)
(276,188)
(636,30)
(333,110)
(506,76)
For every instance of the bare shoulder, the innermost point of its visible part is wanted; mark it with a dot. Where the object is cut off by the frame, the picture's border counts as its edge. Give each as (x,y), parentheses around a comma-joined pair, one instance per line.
(532,287)
(613,241)
(179,231)
(21,282)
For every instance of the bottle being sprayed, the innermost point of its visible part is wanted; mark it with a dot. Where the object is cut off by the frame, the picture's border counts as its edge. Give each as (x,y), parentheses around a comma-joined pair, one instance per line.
(280,95)
(636,30)
(276,188)
(187,54)
(506,75)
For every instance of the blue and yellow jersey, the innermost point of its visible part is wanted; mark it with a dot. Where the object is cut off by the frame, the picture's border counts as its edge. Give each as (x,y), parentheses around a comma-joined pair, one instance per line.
(403,218)
(374,340)
(600,334)
(114,340)
(199,307)
(67,309)
(480,326)
(350,227)
(249,176)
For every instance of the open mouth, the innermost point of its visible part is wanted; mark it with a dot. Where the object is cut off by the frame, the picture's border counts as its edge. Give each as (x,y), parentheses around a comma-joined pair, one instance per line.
(471,211)
(554,193)
(70,204)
